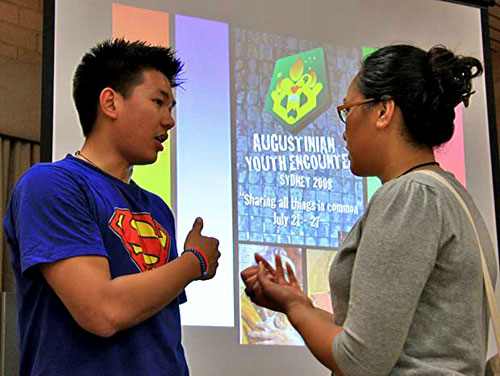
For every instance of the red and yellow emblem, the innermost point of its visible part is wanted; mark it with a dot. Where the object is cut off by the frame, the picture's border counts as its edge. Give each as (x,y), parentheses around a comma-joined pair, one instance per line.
(145,239)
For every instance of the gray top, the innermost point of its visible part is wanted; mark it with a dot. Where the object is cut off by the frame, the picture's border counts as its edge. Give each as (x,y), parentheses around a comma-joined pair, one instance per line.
(407,284)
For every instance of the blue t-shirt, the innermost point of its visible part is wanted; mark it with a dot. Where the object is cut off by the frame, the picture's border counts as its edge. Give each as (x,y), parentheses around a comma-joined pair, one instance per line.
(71,208)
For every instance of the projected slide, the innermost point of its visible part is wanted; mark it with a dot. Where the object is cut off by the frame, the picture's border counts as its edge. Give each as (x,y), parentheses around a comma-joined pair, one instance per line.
(294,189)
(257,123)
(294,185)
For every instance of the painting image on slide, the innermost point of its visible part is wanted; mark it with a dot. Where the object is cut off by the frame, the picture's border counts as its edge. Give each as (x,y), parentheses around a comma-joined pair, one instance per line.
(260,326)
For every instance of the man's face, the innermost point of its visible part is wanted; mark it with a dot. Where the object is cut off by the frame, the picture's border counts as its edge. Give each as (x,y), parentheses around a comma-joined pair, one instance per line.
(145,118)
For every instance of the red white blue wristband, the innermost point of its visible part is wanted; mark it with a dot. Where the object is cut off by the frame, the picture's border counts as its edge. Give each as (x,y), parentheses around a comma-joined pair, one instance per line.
(201,256)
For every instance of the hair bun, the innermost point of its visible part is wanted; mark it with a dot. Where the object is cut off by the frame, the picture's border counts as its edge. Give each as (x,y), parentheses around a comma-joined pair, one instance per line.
(451,76)
(426,86)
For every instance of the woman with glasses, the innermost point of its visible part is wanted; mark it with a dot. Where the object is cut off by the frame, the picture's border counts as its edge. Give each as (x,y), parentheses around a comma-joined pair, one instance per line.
(406,284)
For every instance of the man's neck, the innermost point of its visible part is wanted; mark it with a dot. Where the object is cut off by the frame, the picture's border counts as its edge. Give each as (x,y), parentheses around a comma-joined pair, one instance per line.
(105,160)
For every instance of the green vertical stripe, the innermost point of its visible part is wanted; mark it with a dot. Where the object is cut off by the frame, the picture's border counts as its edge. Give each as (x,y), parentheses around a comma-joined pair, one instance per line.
(372,183)
(156,177)
(368,51)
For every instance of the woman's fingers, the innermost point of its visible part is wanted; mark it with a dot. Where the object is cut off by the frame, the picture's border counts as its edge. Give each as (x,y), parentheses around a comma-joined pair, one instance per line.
(279,269)
(249,282)
(291,274)
(259,258)
(248,273)
(263,276)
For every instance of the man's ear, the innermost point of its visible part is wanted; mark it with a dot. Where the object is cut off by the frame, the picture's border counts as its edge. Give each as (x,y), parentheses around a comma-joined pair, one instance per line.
(108,103)
(385,113)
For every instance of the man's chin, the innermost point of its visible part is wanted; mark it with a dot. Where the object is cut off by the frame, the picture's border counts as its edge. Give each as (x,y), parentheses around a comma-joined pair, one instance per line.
(146,160)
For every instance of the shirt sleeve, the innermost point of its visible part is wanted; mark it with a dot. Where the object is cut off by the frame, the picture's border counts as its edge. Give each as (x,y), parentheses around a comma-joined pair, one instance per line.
(52,218)
(396,254)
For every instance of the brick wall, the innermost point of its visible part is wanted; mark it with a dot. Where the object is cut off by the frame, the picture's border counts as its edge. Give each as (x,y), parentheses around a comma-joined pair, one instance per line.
(20,73)
(21,30)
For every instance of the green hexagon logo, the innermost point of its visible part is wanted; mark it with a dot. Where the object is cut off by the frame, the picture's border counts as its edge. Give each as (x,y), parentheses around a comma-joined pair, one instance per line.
(299,90)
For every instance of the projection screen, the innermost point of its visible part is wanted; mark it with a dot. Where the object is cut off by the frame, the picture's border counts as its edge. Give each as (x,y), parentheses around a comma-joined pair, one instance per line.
(275,171)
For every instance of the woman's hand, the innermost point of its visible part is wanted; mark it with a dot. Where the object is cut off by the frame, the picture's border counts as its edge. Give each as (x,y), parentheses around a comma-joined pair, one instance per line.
(253,289)
(270,289)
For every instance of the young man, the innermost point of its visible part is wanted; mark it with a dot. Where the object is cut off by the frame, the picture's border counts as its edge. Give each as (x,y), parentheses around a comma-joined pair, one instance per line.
(99,280)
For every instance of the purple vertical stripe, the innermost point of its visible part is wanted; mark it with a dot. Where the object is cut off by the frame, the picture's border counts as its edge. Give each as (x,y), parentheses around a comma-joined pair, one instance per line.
(204,159)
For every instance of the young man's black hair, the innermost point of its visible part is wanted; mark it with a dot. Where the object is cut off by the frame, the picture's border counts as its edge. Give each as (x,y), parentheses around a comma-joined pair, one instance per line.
(117,64)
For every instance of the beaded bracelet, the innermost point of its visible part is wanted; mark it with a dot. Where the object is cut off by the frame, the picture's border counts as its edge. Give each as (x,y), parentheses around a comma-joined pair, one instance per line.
(203,259)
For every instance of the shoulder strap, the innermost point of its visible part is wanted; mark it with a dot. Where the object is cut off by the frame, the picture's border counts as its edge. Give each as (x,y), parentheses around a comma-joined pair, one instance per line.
(490,294)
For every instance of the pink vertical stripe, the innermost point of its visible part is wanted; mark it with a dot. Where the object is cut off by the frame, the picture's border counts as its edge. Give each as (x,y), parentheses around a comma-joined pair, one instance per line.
(451,156)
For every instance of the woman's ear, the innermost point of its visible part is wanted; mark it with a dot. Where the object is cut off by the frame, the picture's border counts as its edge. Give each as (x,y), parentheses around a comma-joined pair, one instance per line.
(108,103)
(385,113)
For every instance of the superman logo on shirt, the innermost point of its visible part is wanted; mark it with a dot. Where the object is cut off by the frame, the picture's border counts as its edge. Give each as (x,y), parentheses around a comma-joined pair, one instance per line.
(147,242)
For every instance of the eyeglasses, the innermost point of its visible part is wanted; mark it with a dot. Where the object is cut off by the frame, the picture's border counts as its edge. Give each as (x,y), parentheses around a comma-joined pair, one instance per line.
(343,110)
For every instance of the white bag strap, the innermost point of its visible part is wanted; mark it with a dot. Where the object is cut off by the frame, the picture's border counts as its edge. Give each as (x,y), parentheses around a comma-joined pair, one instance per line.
(490,293)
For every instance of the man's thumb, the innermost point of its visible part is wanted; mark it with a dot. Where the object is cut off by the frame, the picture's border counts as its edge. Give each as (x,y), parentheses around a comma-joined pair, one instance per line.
(198,225)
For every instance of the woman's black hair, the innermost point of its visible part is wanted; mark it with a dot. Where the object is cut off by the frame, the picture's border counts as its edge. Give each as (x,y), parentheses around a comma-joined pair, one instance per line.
(427,86)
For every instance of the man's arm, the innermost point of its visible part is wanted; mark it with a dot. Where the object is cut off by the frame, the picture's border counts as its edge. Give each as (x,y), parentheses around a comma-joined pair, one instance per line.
(104,306)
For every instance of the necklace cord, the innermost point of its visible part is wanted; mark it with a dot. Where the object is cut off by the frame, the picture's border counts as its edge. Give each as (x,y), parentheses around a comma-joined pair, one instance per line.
(79,153)
(432,163)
